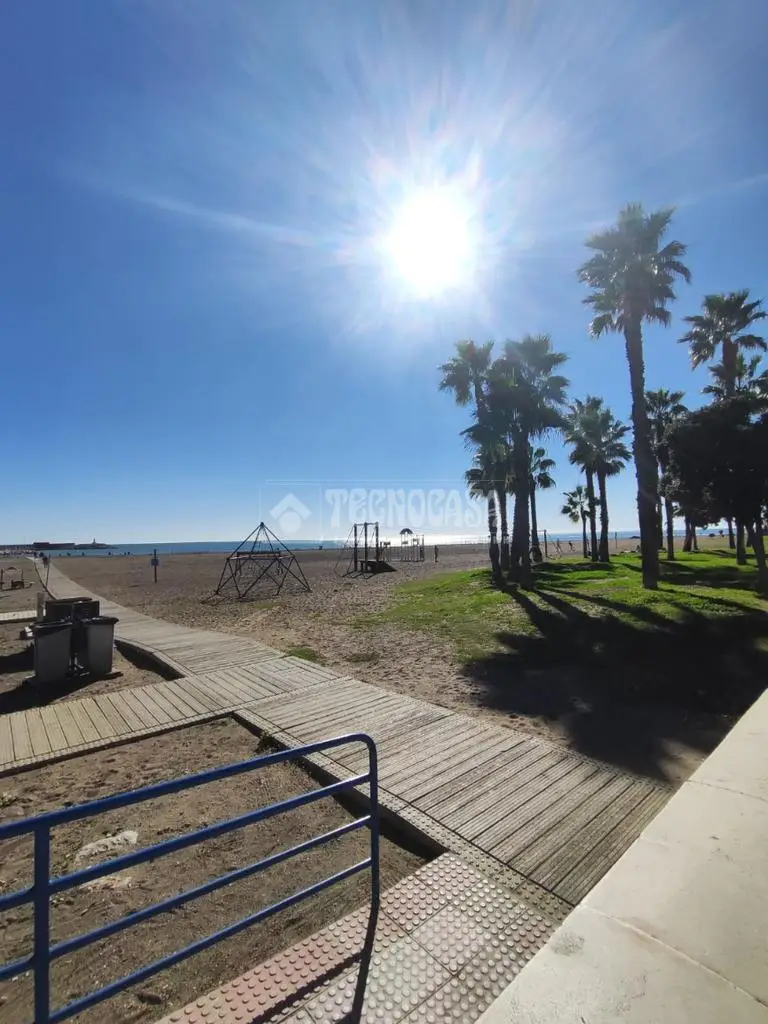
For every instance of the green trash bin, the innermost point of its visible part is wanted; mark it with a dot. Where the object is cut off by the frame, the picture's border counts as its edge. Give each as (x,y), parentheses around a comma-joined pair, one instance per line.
(53,648)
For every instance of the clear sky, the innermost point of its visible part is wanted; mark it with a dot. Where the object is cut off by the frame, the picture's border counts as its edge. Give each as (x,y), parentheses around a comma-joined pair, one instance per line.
(212,283)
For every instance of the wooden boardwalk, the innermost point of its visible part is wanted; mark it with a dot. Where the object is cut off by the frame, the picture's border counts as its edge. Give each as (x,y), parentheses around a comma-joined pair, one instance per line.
(556,818)
(22,616)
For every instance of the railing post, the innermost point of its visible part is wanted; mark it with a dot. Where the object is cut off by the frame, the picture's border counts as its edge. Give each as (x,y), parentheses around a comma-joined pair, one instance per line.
(42,930)
(370,934)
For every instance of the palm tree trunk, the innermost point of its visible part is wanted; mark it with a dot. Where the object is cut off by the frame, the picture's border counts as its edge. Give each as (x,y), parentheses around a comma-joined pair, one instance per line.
(534,518)
(584,541)
(520,568)
(741,550)
(730,366)
(758,543)
(670,509)
(731,537)
(604,555)
(645,461)
(501,501)
(493,550)
(592,514)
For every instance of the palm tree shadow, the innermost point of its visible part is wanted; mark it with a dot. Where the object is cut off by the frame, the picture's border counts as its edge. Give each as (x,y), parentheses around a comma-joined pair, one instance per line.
(625,684)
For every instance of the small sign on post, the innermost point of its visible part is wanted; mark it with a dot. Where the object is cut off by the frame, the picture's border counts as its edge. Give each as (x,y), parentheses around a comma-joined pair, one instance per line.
(155,562)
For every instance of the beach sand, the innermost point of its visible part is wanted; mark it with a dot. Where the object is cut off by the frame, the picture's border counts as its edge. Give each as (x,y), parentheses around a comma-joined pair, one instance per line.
(325,624)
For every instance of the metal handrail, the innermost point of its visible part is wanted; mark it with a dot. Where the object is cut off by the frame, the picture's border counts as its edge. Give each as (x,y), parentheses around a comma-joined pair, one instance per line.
(43,886)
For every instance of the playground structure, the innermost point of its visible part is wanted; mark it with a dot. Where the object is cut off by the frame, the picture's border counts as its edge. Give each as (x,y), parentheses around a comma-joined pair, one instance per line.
(364,551)
(411,546)
(258,568)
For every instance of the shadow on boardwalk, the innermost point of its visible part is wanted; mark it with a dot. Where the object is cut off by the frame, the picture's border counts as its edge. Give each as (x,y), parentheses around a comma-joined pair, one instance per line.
(623,681)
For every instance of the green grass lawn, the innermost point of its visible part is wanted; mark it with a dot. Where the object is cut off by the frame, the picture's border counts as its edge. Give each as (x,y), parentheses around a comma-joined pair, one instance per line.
(701,638)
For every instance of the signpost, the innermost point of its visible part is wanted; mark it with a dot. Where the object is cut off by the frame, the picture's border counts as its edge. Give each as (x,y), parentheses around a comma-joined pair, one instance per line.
(155,562)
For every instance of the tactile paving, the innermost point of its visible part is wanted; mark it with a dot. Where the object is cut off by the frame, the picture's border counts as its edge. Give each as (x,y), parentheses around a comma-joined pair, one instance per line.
(399,980)
(451,937)
(412,901)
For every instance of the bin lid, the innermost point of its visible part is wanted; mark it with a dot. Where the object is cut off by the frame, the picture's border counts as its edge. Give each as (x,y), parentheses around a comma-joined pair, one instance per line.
(51,627)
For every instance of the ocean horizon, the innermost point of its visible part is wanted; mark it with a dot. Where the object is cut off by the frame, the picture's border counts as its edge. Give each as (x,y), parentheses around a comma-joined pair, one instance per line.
(226,546)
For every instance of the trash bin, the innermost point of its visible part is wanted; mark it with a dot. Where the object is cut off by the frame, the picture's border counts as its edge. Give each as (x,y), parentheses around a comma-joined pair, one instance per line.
(99,644)
(53,643)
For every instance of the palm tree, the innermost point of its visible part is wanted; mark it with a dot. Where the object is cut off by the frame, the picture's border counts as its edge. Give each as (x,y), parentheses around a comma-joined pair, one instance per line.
(481,486)
(597,437)
(576,508)
(577,431)
(466,376)
(493,452)
(632,276)
(664,408)
(723,326)
(526,395)
(748,382)
(540,479)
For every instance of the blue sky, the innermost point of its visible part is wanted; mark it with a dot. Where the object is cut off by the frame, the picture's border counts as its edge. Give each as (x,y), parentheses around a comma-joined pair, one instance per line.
(195,311)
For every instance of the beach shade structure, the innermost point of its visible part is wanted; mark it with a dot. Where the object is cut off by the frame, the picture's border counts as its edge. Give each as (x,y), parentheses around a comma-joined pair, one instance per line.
(259,568)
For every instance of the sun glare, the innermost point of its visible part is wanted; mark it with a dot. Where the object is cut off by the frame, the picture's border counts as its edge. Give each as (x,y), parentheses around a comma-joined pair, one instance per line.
(429,244)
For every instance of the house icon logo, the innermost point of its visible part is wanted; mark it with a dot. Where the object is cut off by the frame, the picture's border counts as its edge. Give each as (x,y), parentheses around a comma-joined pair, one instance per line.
(289,514)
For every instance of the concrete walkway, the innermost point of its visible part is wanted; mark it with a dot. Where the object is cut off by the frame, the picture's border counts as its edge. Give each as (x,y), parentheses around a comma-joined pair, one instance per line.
(677,931)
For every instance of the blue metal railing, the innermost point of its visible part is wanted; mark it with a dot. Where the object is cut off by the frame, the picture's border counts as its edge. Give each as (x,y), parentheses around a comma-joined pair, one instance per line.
(43,886)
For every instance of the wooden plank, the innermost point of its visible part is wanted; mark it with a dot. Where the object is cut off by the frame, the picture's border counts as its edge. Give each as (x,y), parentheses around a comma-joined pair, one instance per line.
(37,734)
(450,753)
(123,709)
(453,794)
(22,744)
(206,700)
(100,721)
(116,721)
(561,860)
(137,706)
(549,808)
(6,740)
(84,723)
(53,728)
(70,727)
(162,711)
(532,766)
(573,826)
(184,707)
(578,882)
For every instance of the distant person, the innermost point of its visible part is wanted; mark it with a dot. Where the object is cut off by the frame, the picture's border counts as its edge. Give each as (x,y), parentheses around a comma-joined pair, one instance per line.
(570,545)
(558,547)
(437,553)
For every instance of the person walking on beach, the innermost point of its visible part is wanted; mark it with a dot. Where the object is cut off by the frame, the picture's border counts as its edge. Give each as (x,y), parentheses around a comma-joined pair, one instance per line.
(437,552)
(570,545)
(558,547)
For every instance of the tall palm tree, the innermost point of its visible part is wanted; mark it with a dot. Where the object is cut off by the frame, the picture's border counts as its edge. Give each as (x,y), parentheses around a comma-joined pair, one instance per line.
(576,508)
(541,480)
(491,448)
(597,437)
(527,395)
(723,325)
(664,408)
(632,275)
(577,431)
(481,486)
(466,376)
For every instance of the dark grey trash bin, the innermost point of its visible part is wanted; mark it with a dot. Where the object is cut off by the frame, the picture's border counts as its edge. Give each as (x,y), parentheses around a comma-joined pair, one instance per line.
(53,648)
(99,644)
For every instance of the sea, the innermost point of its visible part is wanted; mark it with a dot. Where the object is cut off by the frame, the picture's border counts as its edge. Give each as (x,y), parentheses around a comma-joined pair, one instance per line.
(226,546)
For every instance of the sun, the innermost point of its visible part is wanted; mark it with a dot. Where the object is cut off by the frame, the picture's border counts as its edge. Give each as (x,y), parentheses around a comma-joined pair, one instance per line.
(429,245)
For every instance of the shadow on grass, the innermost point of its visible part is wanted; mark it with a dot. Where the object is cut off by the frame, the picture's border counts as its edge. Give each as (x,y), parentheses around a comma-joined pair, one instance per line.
(624,681)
